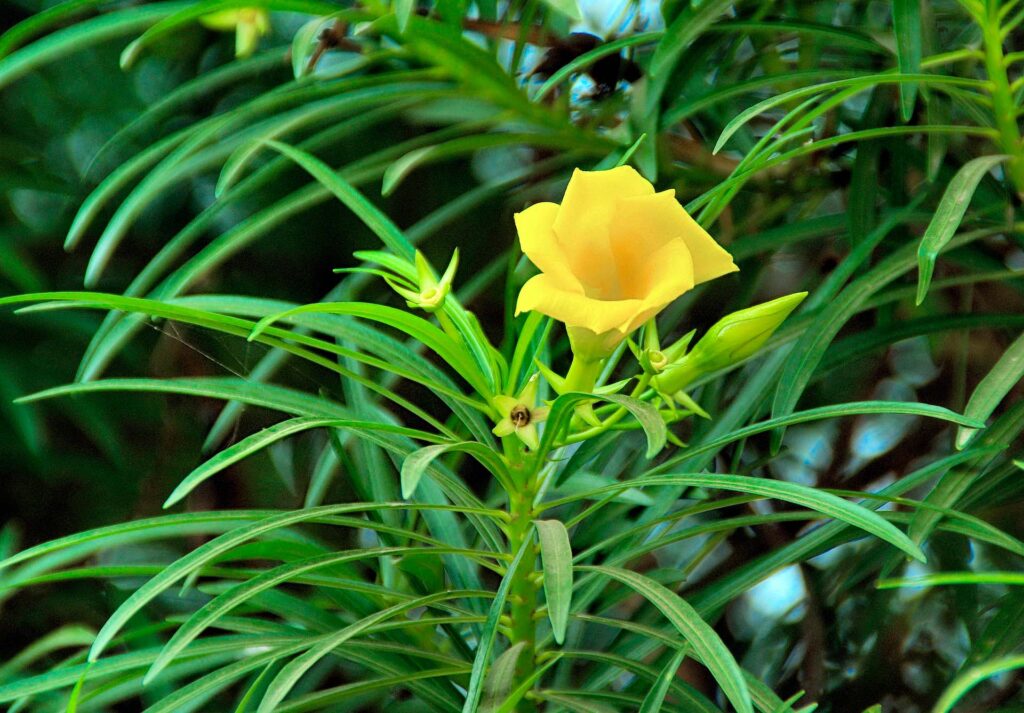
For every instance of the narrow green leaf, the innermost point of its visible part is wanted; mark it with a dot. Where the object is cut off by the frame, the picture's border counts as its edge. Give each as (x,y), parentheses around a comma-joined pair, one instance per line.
(648,417)
(403,11)
(258,441)
(216,547)
(401,168)
(813,498)
(656,696)
(854,84)
(992,389)
(81,35)
(685,28)
(193,11)
(68,636)
(490,630)
(713,652)
(214,610)
(525,686)
(43,21)
(1012,579)
(501,678)
(556,557)
(416,463)
(949,215)
(370,214)
(838,305)
(970,678)
(906,24)
(628,154)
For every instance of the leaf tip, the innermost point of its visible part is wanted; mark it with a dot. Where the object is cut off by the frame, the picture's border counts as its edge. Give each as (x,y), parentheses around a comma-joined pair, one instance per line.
(130,54)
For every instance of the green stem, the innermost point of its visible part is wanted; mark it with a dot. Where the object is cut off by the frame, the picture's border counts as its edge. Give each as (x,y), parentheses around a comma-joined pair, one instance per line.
(583,374)
(1004,109)
(523,588)
(448,326)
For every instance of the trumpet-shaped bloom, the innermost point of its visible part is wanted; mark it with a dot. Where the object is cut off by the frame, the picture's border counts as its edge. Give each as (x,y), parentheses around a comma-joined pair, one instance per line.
(612,255)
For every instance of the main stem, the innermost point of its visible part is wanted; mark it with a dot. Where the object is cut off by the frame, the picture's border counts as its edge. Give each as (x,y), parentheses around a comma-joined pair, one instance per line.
(1004,109)
(523,588)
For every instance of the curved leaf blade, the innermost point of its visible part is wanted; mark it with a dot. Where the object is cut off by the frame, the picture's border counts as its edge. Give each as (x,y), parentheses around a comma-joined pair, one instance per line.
(949,215)
(705,642)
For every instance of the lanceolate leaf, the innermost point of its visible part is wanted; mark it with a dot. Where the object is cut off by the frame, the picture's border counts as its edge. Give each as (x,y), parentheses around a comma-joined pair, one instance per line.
(501,678)
(266,437)
(414,466)
(556,556)
(947,218)
(812,498)
(656,696)
(485,644)
(970,678)
(648,417)
(1006,373)
(379,223)
(82,35)
(705,642)
(906,22)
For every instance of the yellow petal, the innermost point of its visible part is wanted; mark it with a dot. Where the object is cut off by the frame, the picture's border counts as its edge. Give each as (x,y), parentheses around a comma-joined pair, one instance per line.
(537,239)
(543,294)
(540,414)
(670,273)
(584,221)
(655,219)
(589,202)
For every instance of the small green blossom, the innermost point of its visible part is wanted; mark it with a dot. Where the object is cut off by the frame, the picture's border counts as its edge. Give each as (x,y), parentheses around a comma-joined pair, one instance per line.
(521,414)
(430,292)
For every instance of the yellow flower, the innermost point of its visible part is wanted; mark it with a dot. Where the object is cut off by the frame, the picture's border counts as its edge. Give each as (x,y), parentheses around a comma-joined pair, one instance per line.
(611,256)
(248,23)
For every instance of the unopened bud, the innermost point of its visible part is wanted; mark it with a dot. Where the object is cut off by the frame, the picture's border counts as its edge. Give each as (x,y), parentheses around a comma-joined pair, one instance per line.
(732,339)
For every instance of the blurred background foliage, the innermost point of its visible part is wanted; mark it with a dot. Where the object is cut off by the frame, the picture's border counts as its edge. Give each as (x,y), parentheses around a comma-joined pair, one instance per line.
(474,112)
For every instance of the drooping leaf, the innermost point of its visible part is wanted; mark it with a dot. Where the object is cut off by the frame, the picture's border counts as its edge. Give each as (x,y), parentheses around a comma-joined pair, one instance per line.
(698,634)
(947,218)
(556,557)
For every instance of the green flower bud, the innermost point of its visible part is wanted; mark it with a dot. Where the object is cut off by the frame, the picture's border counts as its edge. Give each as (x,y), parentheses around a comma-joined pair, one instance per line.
(430,292)
(732,339)
(652,358)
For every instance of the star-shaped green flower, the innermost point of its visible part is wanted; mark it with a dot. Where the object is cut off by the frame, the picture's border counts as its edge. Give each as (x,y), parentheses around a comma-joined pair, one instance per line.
(521,414)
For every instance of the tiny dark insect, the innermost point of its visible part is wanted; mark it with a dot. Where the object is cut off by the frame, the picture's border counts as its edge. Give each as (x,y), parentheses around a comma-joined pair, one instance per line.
(606,72)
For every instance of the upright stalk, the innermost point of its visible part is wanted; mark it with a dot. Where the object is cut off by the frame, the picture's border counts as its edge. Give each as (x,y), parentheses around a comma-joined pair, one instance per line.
(1004,108)
(523,588)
